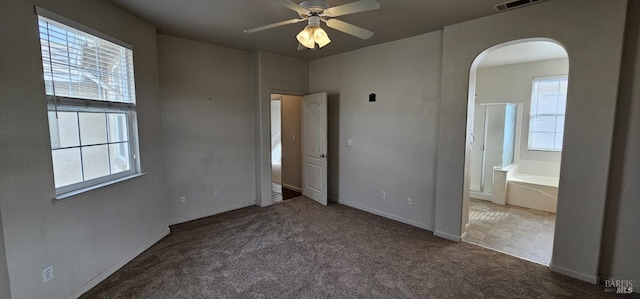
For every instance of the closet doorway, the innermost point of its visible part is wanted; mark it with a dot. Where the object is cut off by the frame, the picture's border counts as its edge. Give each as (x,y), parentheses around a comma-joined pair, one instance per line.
(286,146)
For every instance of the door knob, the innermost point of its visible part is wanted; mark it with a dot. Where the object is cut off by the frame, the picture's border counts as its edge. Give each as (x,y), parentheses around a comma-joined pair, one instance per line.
(323,156)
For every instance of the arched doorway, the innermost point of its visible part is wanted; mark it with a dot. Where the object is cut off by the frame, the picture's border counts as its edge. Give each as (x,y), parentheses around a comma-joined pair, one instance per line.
(515,126)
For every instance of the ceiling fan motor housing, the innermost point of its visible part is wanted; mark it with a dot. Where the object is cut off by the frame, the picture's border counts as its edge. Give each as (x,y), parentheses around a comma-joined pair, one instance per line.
(314,21)
(314,6)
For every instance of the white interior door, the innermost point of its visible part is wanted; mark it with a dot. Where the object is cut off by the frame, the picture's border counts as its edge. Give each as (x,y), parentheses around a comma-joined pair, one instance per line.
(314,147)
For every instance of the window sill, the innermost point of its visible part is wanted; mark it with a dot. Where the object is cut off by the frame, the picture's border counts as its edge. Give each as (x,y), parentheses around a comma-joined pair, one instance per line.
(67,195)
(544,150)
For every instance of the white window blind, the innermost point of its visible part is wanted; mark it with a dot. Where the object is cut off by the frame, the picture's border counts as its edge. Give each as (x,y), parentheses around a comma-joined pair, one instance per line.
(79,65)
(548,106)
(91,101)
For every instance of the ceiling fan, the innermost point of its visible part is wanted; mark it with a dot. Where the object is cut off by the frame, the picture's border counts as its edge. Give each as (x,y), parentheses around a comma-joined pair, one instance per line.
(315,11)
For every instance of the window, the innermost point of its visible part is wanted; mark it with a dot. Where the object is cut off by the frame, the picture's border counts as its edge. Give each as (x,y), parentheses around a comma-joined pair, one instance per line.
(548,105)
(91,103)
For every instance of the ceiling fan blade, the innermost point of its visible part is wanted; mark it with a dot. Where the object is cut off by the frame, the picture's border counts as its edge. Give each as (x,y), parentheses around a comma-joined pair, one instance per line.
(290,5)
(274,25)
(349,29)
(354,7)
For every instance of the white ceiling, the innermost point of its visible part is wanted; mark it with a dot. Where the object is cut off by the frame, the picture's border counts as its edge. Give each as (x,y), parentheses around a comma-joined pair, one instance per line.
(222,22)
(523,52)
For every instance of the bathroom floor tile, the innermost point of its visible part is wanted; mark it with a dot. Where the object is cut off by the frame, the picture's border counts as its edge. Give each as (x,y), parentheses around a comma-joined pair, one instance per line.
(521,232)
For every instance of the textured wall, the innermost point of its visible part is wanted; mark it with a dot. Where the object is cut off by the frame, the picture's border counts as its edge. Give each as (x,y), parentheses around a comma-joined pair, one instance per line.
(395,137)
(591,32)
(621,237)
(208,127)
(272,74)
(88,235)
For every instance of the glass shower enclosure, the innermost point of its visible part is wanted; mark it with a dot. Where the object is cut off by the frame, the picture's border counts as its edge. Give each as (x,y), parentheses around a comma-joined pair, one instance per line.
(494,133)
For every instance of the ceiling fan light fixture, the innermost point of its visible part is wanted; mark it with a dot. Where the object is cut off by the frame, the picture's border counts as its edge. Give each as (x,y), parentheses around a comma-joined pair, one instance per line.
(321,37)
(316,11)
(313,34)
(305,37)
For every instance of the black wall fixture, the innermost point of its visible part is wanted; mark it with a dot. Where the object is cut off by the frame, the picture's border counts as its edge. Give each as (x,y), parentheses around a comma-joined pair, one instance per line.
(372,97)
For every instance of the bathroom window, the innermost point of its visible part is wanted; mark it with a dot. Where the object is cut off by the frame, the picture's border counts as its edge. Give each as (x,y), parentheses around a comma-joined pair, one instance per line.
(89,85)
(548,106)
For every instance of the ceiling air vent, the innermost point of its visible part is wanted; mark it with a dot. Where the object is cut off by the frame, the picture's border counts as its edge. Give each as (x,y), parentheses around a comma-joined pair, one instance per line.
(515,4)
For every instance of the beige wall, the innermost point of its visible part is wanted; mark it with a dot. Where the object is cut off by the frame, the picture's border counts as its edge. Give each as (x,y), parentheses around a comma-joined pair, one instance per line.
(272,74)
(88,236)
(591,32)
(621,237)
(208,127)
(395,137)
(291,142)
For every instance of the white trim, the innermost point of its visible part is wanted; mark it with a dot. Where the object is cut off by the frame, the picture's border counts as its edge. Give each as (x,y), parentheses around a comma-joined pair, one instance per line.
(481,195)
(298,189)
(211,213)
(564,271)
(96,186)
(387,215)
(466,228)
(447,236)
(115,267)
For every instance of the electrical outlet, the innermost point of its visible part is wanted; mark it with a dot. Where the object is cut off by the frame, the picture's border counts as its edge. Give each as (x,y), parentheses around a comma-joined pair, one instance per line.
(383,195)
(47,273)
(409,201)
(183,199)
(216,192)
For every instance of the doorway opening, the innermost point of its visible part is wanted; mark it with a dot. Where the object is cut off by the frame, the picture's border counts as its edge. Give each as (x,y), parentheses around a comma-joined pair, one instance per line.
(515,124)
(286,148)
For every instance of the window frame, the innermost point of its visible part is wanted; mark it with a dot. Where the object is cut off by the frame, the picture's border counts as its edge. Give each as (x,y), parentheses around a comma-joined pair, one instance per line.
(556,115)
(57,103)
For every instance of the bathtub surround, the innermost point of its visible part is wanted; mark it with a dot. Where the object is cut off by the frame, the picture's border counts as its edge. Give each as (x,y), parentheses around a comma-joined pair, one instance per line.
(281,252)
(524,189)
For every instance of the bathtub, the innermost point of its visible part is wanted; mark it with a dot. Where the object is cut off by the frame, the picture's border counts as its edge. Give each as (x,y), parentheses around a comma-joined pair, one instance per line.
(532,191)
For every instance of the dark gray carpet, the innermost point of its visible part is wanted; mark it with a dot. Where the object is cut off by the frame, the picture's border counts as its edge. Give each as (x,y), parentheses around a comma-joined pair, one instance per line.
(300,249)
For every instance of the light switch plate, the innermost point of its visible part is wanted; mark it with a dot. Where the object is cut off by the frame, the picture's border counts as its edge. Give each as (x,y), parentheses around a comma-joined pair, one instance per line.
(350,142)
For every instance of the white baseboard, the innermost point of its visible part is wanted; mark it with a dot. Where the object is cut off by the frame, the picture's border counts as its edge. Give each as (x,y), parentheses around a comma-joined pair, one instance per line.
(447,236)
(387,215)
(213,212)
(115,267)
(297,189)
(564,271)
